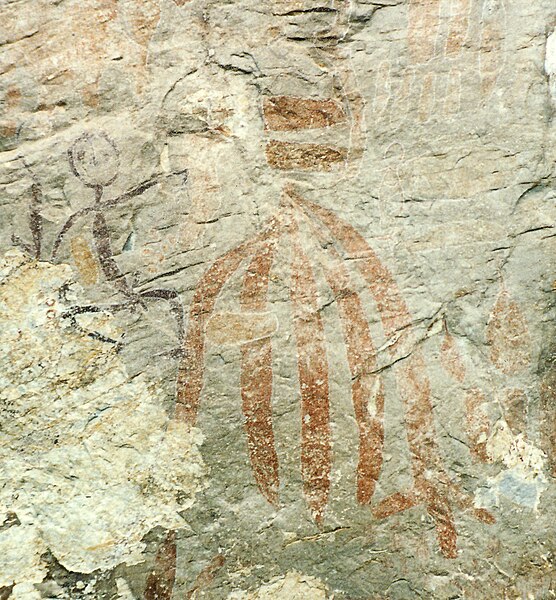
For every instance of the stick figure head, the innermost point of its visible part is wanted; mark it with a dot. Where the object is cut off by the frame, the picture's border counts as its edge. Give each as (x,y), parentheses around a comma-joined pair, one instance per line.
(94,159)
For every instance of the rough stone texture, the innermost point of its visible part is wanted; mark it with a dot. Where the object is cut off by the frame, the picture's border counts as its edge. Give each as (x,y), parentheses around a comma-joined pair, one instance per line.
(90,460)
(277,299)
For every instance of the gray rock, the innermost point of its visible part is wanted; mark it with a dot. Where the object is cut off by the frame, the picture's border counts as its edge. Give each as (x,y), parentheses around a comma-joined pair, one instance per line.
(277,299)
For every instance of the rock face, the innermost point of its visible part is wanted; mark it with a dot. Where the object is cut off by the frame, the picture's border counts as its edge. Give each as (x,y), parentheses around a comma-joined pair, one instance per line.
(277,299)
(90,460)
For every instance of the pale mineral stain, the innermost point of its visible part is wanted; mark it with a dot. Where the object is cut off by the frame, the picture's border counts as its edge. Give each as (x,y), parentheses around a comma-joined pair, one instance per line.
(238,328)
(89,461)
(292,586)
(522,479)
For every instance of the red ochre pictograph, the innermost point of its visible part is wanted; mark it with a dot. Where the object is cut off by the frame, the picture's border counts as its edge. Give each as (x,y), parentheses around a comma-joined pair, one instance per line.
(432,487)
(340,251)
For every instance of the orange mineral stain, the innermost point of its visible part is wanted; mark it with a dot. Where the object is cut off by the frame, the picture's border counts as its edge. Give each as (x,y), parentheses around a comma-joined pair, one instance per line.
(84,260)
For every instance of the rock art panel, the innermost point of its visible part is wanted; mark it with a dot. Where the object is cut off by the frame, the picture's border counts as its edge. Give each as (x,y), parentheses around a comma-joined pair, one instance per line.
(276,299)
(313,372)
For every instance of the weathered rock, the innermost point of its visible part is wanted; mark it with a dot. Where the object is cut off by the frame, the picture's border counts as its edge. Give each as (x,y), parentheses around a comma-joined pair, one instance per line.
(277,299)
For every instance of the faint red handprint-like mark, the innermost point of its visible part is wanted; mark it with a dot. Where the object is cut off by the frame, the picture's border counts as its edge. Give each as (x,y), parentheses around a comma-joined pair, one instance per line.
(508,336)
(452,48)
(509,344)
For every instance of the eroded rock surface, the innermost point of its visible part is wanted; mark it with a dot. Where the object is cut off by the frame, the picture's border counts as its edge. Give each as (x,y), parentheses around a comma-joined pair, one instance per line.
(277,299)
(91,462)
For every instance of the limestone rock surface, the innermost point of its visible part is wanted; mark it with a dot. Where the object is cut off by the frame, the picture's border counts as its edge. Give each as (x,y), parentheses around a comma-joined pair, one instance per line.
(277,299)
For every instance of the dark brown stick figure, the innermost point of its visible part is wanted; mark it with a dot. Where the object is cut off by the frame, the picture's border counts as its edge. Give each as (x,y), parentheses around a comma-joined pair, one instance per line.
(94,160)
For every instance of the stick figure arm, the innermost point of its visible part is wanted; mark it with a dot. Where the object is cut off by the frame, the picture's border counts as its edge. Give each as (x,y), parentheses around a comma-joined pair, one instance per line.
(143,187)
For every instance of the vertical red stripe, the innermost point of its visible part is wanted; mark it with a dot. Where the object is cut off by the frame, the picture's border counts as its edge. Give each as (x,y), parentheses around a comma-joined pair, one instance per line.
(366,386)
(160,582)
(256,380)
(313,381)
